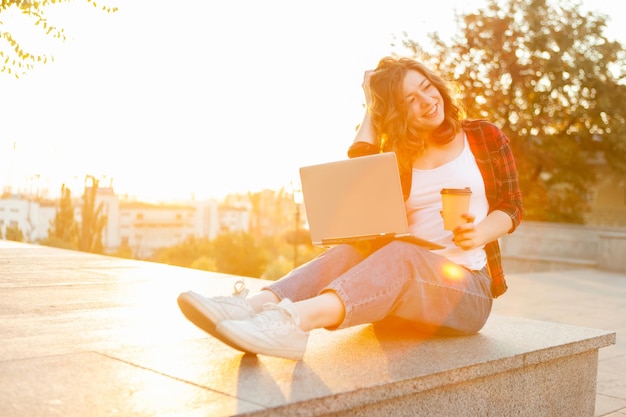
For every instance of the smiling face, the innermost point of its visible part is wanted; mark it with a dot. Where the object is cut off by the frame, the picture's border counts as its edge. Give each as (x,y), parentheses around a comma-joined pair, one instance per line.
(423,100)
(411,108)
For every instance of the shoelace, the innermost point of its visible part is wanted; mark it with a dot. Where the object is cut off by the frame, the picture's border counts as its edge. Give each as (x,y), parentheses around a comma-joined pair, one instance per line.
(240,289)
(274,315)
(240,292)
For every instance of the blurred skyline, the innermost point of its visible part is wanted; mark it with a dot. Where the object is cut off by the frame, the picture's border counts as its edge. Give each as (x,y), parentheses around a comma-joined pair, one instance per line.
(207,99)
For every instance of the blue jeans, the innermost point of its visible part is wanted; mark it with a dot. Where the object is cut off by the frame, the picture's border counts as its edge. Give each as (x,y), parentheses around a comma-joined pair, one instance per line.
(398,280)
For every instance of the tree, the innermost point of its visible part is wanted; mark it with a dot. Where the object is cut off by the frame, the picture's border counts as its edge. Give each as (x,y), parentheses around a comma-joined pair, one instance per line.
(238,253)
(62,231)
(93,219)
(281,252)
(14,233)
(185,253)
(15,59)
(544,72)
(204,263)
(256,216)
(124,251)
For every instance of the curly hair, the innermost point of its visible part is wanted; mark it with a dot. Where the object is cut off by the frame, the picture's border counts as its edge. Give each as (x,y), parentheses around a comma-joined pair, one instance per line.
(391,120)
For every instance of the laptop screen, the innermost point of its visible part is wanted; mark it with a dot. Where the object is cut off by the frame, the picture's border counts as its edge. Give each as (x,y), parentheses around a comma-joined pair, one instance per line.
(352,199)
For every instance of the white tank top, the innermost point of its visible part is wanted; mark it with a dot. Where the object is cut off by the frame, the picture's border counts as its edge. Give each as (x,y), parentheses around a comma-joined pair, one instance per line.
(423,206)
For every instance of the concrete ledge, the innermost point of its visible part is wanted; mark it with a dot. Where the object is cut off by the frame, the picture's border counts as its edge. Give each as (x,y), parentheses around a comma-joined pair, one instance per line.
(99,336)
(552,240)
(513,367)
(611,251)
(538,263)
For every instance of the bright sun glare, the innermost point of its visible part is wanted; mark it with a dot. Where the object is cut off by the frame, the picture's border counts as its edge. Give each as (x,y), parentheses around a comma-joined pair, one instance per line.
(453,272)
(214,102)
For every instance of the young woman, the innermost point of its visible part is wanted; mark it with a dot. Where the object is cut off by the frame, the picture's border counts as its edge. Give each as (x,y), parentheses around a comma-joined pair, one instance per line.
(410,111)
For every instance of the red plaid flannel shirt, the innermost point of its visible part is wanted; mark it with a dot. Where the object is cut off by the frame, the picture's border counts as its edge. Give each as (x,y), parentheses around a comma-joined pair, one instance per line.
(494,157)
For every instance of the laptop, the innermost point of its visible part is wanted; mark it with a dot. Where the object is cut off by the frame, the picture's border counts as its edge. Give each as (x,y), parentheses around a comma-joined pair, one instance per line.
(355,200)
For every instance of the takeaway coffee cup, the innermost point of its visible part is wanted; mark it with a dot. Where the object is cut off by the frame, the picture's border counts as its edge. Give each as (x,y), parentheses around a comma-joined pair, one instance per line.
(454,203)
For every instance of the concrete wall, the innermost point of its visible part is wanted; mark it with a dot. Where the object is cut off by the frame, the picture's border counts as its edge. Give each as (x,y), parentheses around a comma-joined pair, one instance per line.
(540,246)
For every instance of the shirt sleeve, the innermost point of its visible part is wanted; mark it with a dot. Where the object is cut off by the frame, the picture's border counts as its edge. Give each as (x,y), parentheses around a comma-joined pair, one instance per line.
(509,193)
(362,149)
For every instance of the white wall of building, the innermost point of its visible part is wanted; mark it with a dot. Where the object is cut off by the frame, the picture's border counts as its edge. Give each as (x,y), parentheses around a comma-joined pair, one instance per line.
(145,228)
(141,226)
(206,219)
(31,217)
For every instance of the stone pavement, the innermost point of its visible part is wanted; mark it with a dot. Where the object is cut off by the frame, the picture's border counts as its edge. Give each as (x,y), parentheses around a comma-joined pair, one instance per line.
(112,311)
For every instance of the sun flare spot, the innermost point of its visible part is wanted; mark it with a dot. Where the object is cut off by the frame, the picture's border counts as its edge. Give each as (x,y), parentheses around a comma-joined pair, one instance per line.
(453,272)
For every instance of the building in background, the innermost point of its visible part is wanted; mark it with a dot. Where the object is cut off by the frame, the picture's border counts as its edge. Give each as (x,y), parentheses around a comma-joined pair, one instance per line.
(32,217)
(142,227)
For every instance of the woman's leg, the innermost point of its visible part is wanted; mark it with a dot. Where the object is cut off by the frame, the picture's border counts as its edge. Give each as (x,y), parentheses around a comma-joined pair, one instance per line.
(324,310)
(309,279)
(409,282)
(400,279)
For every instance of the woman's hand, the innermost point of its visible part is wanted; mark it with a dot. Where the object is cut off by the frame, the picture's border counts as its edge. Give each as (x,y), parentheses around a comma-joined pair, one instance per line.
(466,235)
(469,236)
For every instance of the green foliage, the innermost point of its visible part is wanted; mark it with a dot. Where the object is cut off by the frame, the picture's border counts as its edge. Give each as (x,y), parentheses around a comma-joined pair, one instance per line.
(63,228)
(93,220)
(14,233)
(124,251)
(299,237)
(278,268)
(544,72)
(16,60)
(238,253)
(185,253)
(65,232)
(285,256)
(58,243)
(204,263)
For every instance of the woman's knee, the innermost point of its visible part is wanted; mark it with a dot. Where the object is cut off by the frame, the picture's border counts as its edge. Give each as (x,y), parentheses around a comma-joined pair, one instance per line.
(345,251)
(402,248)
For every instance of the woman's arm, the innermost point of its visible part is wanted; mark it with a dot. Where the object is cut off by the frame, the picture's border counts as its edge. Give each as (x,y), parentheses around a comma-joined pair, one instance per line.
(366,129)
(364,142)
(489,143)
(470,235)
(365,133)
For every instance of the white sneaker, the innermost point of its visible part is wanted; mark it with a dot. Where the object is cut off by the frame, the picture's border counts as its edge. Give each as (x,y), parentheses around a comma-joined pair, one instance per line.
(207,312)
(274,332)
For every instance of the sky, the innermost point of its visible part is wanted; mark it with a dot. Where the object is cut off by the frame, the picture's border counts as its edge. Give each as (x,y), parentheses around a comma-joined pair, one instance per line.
(167,101)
